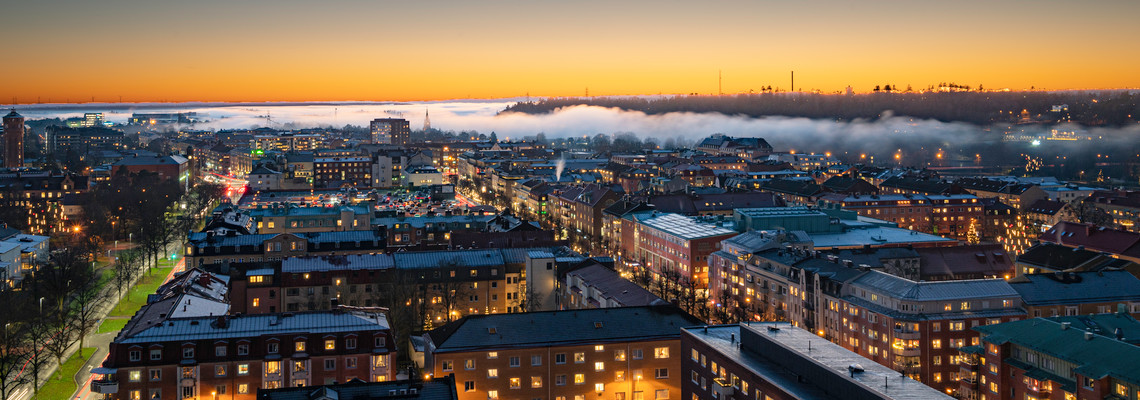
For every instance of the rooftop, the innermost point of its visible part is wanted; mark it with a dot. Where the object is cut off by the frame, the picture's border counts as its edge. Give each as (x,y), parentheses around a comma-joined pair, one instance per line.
(313,323)
(685,227)
(1095,356)
(787,356)
(593,326)
(1077,287)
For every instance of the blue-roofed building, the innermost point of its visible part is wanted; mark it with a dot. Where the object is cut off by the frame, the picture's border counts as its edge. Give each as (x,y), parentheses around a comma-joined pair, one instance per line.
(209,248)
(1078,293)
(442,388)
(165,356)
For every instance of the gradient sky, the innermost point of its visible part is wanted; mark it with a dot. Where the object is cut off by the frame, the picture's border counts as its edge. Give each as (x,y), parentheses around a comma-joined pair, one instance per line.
(294,50)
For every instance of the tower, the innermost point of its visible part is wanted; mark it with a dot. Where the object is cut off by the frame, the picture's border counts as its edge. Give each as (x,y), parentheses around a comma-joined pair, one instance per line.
(427,121)
(13,140)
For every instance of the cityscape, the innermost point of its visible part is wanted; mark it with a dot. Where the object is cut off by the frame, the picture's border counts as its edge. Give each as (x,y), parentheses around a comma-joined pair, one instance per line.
(570,201)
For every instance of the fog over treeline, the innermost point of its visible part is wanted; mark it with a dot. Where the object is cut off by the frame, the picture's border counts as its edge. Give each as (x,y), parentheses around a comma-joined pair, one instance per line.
(1087,108)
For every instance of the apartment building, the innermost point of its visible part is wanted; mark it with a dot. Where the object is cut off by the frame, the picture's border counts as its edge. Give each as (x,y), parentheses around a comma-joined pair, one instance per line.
(208,248)
(612,353)
(672,243)
(1079,358)
(778,361)
(163,356)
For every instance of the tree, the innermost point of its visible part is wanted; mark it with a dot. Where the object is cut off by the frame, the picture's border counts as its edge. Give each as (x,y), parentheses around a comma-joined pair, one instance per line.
(397,291)
(86,302)
(14,348)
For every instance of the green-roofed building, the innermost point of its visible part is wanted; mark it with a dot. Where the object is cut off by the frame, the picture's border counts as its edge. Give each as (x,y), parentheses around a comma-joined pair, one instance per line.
(1078,357)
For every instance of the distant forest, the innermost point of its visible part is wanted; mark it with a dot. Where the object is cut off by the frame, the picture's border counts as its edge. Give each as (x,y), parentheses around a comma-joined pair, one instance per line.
(1087,108)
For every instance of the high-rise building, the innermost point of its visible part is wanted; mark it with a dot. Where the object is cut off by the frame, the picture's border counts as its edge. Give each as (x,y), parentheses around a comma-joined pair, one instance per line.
(390,131)
(13,140)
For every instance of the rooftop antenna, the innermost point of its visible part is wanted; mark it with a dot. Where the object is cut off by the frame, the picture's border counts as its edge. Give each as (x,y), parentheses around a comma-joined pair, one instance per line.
(793,81)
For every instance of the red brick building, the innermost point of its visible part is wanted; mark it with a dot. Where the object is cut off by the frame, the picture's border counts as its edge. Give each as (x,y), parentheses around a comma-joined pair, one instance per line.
(167,167)
(666,243)
(156,356)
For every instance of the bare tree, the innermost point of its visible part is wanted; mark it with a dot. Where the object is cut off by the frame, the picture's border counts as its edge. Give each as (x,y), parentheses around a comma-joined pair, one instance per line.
(56,324)
(14,348)
(88,298)
(400,292)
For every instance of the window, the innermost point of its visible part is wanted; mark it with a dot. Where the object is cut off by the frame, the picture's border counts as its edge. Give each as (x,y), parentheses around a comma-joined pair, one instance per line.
(536,381)
(156,375)
(220,351)
(600,348)
(219,370)
(937,360)
(619,355)
(135,376)
(299,366)
(637,354)
(272,348)
(638,395)
(579,358)
(469,386)
(243,388)
(447,366)
(379,361)
(515,361)
(661,394)
(619,376)
(516,383)
(1088,383)
(695,356)
(579,379)
(661,373)
(220,389)
(243,369)
(936,344)
(350,363)
(957,326)
(559,380)
(137,355)
(599,366)
(330,364)
(135,395)
(379,342)
(535,360)
(492,394)
(599,387)
(965,305)
(560,358)
(188,352)
(330,344)
(493,373)
(492,355)
(469,364)
(350,343)
(243,349)
(661,352)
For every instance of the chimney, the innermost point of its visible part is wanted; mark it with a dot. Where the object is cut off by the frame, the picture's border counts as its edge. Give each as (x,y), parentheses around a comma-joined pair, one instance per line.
(1065,325)
(1088,335)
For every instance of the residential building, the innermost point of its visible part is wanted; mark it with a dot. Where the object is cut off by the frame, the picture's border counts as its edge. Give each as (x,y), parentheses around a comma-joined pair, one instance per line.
(672,244)
(340,172)
(1121,244)
(167,167)
(162,356)
(1081,358)
(288,218)
(390,131)
(612,353)
(1122,206)
(208,248)
(1078,293)
(442,388)
(599,286)
(778,361)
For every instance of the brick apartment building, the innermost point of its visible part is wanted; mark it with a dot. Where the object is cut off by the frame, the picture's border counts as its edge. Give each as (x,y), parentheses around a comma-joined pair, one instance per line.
(208,248)
(231,357)
(1061,358)
(611,353)
(336,172)
(672,243)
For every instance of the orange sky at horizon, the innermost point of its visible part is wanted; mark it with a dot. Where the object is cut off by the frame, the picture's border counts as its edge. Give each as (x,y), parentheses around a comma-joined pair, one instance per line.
(294,50)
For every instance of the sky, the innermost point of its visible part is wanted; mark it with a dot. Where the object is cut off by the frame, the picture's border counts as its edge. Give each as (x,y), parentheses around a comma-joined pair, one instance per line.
(378,50)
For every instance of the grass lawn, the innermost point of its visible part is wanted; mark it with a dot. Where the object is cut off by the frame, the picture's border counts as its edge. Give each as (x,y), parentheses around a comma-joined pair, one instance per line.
(62,384)
(112,325)
(136,297)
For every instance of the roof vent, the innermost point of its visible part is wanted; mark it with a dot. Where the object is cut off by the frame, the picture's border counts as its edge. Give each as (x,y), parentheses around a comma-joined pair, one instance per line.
(1088,335)
(597,325)
(1065,325)
(492,330)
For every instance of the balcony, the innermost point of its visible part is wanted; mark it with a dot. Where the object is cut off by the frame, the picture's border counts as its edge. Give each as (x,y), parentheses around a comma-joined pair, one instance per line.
(907,334)
(723,388)
(105,387)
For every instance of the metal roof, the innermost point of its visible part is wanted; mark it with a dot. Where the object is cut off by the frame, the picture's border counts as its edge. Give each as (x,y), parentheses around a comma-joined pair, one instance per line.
(336,263)
(906,289)
(312,323)
(534,329)
(685,227)
(1077,288)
